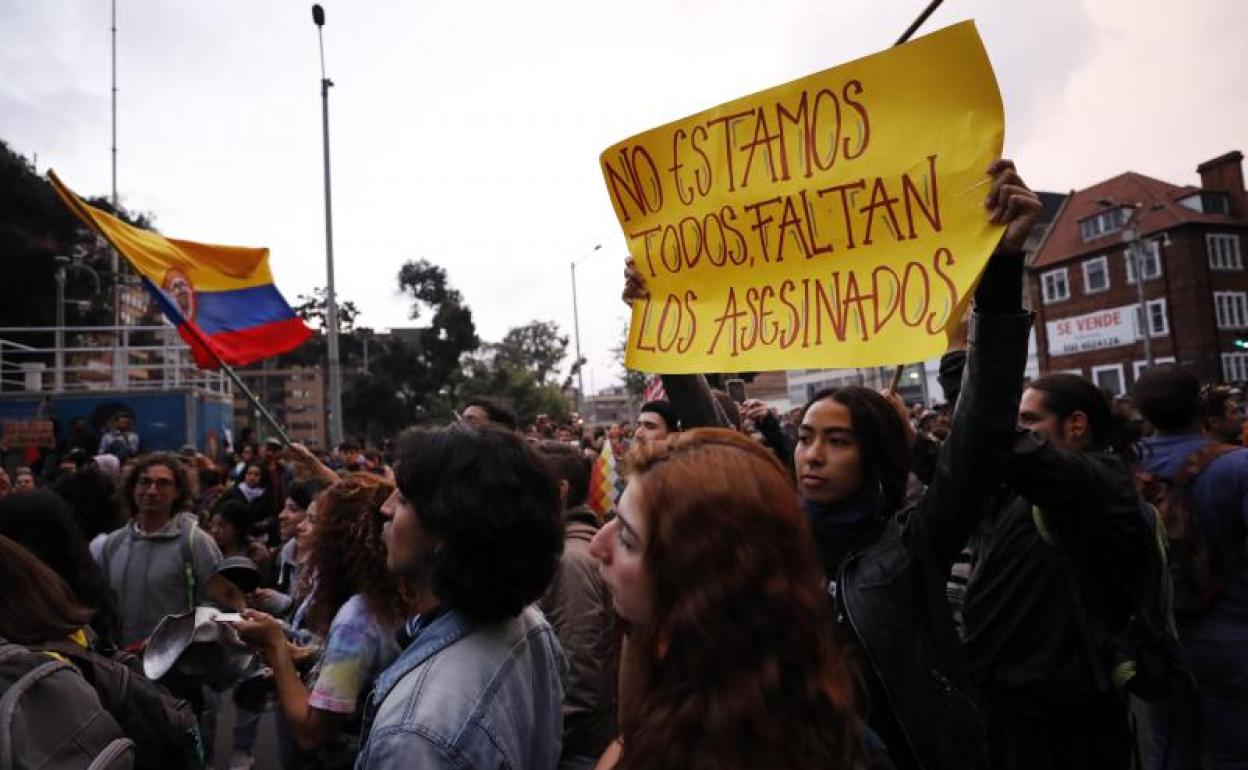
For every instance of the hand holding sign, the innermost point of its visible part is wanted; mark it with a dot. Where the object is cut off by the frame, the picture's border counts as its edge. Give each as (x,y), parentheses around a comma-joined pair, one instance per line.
(832,221)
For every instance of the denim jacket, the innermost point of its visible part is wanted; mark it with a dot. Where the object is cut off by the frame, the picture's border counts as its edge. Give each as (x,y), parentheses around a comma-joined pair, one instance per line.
(464,695)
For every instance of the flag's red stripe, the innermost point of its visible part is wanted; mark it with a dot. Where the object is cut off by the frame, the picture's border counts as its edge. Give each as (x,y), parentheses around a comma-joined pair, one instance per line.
(245,346)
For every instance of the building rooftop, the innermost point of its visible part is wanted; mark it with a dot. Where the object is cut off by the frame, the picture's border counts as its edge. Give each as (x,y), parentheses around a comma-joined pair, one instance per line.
(1161,210)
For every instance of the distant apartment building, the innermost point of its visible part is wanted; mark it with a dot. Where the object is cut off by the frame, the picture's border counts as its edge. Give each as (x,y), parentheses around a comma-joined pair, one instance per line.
(295,396)
(1090,319)
(611,405)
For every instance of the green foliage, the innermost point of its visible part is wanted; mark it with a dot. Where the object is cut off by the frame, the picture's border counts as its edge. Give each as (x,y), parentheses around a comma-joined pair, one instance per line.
(634,381)
(312,309)
(34,227)
(537,346)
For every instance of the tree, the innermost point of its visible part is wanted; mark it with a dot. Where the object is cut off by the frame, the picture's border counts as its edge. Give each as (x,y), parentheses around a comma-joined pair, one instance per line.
(520,370)
(634,381)
(537,346)
(35,226)
(413,376)
(312,309)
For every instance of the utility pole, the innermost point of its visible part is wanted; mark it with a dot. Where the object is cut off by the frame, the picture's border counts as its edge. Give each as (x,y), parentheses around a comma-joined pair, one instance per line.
(576,326)
(331,300)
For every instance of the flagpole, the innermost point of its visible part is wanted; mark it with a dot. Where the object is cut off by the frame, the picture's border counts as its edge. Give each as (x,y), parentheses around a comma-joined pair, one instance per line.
(914,27)
(191,329)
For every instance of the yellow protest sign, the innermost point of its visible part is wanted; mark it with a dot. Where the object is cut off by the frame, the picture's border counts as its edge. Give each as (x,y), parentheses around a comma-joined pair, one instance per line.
(834,221)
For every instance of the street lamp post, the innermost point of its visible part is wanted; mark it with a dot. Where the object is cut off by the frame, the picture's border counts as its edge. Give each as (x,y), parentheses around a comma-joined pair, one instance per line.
(1135,247)
(576,326)
(331,300)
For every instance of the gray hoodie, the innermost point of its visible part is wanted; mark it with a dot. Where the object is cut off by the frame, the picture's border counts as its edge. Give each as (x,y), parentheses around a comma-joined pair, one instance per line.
(148,571)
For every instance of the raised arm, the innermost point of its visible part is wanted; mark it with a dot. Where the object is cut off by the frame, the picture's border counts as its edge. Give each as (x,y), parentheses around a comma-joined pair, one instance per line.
(973,461)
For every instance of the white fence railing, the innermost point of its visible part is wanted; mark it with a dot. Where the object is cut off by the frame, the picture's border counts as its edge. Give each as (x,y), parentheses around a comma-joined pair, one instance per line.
(79,359)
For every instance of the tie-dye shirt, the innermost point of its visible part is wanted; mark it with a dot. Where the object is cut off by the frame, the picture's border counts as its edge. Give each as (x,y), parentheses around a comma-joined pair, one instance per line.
(357,649)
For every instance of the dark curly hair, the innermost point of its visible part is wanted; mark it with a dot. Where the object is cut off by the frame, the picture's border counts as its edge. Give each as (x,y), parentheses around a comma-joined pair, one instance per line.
(493,503)
(737,667)
(43,523)
(348,556)
(181,481)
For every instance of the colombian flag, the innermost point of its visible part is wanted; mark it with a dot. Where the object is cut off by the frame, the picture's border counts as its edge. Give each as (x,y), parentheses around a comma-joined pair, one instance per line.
(221,298)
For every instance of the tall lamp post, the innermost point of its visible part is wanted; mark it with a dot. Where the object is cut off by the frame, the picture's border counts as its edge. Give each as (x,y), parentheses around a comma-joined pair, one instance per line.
(576,326)
(331,300)
(1135,247)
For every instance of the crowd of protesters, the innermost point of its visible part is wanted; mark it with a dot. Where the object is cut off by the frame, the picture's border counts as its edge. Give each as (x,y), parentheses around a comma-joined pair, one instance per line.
(856,584)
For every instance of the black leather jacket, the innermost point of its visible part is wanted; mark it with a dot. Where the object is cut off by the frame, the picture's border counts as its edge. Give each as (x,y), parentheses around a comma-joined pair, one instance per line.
(891,596)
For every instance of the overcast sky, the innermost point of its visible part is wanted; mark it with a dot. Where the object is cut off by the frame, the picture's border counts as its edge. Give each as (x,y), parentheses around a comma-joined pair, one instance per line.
(467,133)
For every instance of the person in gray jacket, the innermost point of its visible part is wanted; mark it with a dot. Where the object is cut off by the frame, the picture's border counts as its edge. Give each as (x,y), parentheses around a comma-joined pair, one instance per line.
(159,562)
(474,529)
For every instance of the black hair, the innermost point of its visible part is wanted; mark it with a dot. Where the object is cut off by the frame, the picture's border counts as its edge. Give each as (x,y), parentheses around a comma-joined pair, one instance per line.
(43,524)
(493,502)
(1063,394)
(882,437)
(209,477)
(568,465)
(664,410)
(92,496)
(236,513)
(1168,396)
(304,492)
(497,411)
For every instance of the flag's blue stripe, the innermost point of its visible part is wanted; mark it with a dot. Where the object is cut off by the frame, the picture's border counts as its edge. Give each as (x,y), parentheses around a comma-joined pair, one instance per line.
(166,305)
(237,309)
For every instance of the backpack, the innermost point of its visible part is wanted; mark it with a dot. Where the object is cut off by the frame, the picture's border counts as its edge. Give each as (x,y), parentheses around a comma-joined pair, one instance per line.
(1194,570)
(163,728)
(1142,656)
(51,719)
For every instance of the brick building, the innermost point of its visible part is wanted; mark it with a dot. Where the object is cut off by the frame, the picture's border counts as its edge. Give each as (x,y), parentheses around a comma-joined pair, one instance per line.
(1082,279)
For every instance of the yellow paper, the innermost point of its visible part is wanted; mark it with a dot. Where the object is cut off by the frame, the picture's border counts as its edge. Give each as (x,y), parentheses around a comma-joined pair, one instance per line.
(835,221)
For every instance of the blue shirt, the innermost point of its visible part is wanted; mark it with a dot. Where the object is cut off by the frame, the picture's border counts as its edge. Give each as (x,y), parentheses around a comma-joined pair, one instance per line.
(1220,496)
(466,695)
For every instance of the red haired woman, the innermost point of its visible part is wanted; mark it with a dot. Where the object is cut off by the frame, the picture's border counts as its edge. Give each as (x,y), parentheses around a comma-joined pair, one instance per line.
(732,662)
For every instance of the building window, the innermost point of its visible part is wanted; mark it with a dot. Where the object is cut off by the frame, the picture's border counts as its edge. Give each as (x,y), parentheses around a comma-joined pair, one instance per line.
(1138,367)
(1152,261)
(1056,287)
(1231,308)
(1158,321)
(1223,252)
(1235,367)
(1095,275)
(1105,222)
(1110,378)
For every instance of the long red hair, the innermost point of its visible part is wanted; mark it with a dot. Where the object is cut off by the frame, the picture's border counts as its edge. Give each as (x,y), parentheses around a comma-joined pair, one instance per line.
(738,666)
